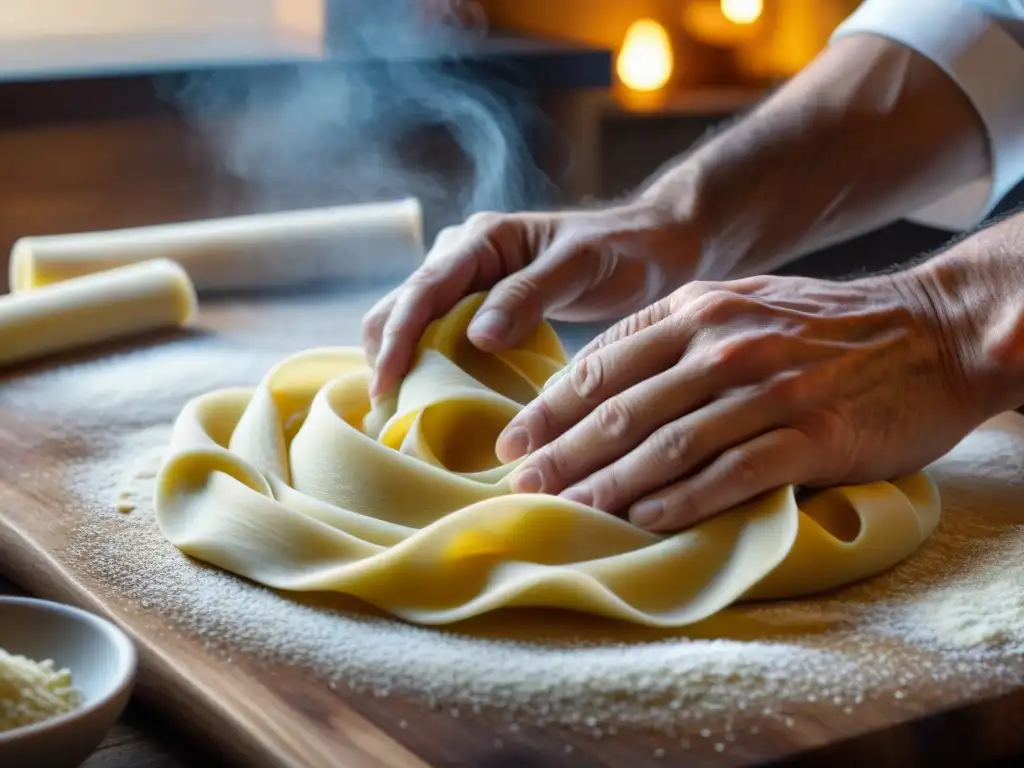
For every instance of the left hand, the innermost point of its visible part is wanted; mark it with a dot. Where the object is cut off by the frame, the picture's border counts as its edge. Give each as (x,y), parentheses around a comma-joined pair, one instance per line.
(723,391)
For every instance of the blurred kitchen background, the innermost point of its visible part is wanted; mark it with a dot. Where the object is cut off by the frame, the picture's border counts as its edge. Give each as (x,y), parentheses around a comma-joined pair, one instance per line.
(117,113)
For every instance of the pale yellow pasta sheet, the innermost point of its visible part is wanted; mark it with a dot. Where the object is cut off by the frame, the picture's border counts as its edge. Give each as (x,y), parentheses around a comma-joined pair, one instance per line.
(296,485)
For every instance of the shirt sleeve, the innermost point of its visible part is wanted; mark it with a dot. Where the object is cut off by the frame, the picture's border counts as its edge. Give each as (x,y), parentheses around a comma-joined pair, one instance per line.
(980,45)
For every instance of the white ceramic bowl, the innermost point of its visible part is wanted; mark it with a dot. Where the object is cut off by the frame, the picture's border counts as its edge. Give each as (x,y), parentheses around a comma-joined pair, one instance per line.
(102,662)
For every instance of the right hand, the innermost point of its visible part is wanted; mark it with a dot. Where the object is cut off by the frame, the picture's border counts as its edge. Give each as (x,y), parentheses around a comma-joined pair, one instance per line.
(580,266)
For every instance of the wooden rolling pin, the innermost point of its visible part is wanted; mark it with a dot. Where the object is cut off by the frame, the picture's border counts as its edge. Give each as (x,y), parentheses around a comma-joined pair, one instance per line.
(241,253)
(87,310)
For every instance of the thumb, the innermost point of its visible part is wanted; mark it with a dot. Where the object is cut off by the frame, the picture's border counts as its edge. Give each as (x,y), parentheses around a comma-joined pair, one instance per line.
(516,305)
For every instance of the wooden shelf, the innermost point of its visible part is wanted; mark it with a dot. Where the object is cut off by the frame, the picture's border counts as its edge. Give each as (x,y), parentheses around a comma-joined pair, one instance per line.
(49,59)
(622,104)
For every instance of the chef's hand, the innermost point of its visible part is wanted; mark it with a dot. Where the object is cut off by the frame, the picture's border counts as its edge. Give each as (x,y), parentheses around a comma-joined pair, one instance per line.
(579,266)
(720,392)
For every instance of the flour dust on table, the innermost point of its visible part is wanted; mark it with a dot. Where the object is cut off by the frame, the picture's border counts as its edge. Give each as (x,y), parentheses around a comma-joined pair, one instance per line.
(947,615)
(929,620)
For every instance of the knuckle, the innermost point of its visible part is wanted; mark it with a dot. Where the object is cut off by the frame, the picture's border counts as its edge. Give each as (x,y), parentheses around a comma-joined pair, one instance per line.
(683,297)
(619,331)
(741,467)
(614,420)
(702,287)
(717,307)
(651,315)
(594,346)
(752,284)
(671,446)
(636,322)
(400,323)
(608,490)
(587,377)
(568,244)
(730,353)
(682,325)
(393,332)
(373,323)
(645,318)
(518,288)
(754,352)
(484,220)
(615,333)
(371,342)
(539,419)
(444,237)
(683,508)
(791,389)
(549,464)
(829,438)
(771,341)
(427,276)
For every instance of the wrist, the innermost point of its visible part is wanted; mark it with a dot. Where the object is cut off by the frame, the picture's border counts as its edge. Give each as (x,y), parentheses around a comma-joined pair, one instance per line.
(669,209)
(703,197)
(869,132)
(728,191)
(976,294)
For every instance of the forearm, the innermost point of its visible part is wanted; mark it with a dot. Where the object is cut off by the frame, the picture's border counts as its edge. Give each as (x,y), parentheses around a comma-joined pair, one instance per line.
(976,289)
(867,133)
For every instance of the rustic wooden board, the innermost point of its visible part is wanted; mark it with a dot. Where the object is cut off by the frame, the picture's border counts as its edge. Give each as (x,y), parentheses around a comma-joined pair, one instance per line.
(259,714)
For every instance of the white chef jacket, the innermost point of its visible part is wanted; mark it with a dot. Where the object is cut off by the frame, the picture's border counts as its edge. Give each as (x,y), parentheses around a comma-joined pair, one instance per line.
(980,45)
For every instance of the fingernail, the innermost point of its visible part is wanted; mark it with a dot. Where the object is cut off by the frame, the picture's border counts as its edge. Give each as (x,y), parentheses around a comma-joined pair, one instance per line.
(492,324)
(580,496)
(528,481)
(513,445)
(646,513)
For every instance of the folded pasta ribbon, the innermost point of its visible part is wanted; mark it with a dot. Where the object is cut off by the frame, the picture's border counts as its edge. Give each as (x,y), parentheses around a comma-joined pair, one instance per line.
(299,485)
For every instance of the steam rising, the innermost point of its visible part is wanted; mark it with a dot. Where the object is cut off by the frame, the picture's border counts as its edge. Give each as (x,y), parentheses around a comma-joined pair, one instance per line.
(382,126)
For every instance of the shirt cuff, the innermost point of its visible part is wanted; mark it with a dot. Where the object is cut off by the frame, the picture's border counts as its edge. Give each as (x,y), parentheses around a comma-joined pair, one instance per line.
(987,63)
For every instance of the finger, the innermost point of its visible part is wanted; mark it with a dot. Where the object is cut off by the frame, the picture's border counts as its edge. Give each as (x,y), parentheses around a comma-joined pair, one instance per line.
(677,302)
(612,480)
(373,325)
(589,382)
(423,298)
(626,327)
(737,361)
(517,304)
(781,457)
(457,266)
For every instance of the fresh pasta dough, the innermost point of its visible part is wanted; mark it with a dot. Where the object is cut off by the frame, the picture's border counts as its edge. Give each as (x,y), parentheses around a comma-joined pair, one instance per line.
(297,485)
(265,250)
(109,305)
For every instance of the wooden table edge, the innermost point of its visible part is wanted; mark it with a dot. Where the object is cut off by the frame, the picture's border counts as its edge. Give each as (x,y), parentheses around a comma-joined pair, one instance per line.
(25,572)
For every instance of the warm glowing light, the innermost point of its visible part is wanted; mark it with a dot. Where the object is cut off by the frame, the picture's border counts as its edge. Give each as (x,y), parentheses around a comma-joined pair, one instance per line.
(645,60)
(742,11)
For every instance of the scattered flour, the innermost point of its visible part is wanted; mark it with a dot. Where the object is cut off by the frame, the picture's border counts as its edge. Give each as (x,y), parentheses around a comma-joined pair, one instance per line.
(986,612)
(954,613)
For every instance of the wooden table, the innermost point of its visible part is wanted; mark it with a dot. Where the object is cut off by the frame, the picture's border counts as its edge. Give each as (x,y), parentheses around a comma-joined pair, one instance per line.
(138,740)
(142,740)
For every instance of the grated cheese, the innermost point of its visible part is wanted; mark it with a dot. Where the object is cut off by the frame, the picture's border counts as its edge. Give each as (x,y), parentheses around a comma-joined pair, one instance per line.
(31,691)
